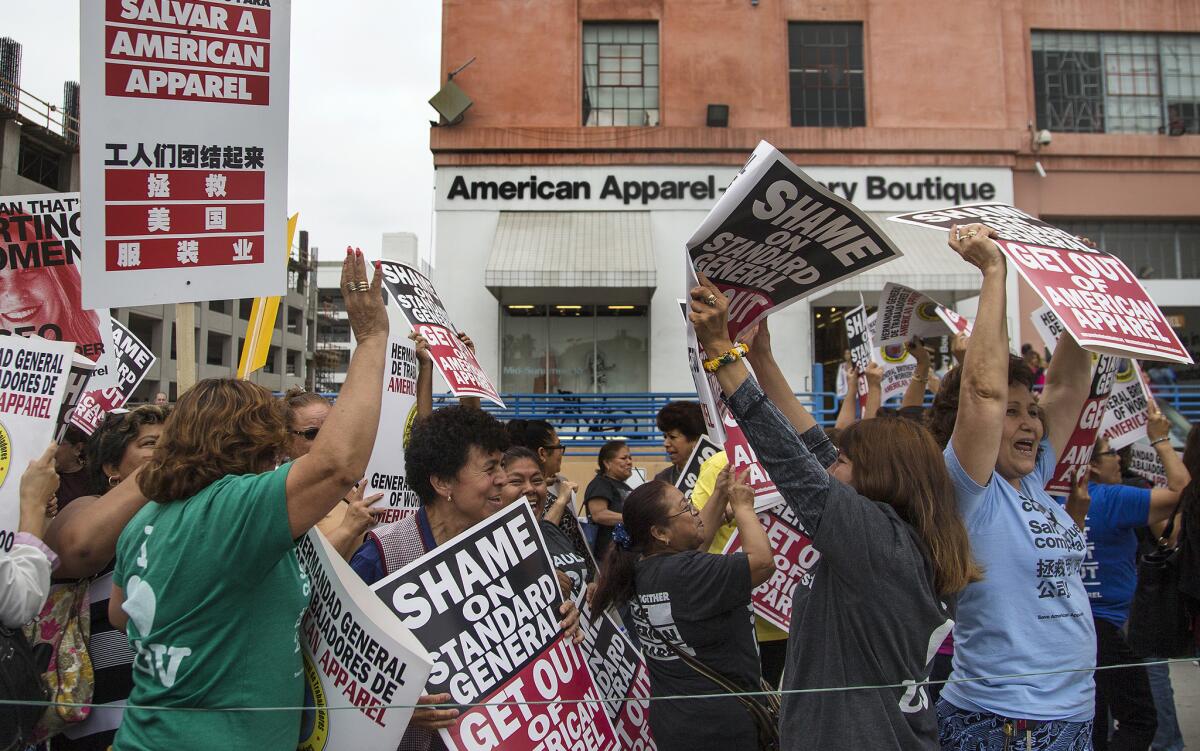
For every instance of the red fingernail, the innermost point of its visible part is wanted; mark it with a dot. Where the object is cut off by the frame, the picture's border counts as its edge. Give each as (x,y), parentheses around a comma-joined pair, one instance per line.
(378,264)
(349,250)
(358,252)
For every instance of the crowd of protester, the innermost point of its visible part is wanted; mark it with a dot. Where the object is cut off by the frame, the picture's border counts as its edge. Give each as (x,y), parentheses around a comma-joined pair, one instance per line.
(953,603)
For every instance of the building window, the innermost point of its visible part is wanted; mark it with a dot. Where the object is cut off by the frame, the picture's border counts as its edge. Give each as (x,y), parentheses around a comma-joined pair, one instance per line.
(38,163)
(620,74)
(1152,250)
(574,349)
(1116,83)
(825,74)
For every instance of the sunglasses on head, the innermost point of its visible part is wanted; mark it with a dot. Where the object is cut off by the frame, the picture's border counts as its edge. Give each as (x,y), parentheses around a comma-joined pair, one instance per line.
(308,434)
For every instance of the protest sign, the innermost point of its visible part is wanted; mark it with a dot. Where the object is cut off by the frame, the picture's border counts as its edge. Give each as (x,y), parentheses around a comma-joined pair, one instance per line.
(897,363)
(1144,462)
(744,459)
(1126,413)
(33,378)
(795,558)
(397,413)
(423,309)
(40,253)
(858,341)
(956,323)
(691,471)
(1048,326)
(134,360)
(183,163)
(1093,293)
(707,388)
(620,672)
(776,236)
(904,313)
(78,382)
(1077,452)
(356,655)
(485,605)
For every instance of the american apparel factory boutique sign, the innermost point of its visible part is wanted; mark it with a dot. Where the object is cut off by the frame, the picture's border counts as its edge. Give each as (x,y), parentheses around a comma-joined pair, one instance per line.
(690,188)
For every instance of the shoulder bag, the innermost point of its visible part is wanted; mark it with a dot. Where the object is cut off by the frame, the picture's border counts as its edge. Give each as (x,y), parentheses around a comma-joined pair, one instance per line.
(62,631)
(1159,625)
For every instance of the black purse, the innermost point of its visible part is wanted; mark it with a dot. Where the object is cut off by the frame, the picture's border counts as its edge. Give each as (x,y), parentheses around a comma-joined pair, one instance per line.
(20,680)
(1159,623)
(764,714)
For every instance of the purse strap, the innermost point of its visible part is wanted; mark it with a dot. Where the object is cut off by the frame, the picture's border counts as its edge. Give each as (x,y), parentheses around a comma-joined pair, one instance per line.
(1164,541)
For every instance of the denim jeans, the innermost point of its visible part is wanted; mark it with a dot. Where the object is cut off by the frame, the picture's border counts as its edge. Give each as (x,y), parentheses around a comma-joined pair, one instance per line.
(1169,737)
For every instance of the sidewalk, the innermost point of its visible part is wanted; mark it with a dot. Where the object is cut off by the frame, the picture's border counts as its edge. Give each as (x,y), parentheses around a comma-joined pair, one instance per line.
(1185,677)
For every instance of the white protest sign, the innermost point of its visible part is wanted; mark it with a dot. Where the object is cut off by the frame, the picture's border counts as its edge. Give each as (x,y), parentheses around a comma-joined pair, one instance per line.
(184,156)
(898,364)
(777,236)
(133,360)
(707,390)
(1144,462)
(397,413)
(33,379)
(40,256)
(1126,413)
(1048,326)
(904,313)
(357,656)
(1098,299)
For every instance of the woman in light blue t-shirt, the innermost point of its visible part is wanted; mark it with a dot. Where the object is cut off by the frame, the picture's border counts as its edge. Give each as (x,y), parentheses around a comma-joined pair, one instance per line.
(1030,614)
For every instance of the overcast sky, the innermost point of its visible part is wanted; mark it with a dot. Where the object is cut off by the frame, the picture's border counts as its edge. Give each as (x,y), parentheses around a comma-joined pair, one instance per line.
(362,75)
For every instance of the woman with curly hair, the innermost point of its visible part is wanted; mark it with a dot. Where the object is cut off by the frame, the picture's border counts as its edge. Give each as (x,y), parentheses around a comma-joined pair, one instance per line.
(207,582)
(454,464)
(85,534)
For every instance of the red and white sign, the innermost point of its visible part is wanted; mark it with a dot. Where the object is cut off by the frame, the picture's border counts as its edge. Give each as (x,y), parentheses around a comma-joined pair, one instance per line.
(743,459)
(1078,450)
(184,157)
(904,313)
(1093,293)
(956,323)
(795,558)
(419,302)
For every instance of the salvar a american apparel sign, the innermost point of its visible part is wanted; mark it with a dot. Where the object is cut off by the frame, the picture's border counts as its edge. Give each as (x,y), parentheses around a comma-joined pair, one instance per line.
(690,188)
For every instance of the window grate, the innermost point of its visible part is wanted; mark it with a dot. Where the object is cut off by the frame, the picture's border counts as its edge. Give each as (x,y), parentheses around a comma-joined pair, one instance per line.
(620,74)
(825,75)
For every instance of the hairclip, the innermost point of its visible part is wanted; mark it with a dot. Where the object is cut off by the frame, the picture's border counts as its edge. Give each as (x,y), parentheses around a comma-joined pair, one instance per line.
(621,536)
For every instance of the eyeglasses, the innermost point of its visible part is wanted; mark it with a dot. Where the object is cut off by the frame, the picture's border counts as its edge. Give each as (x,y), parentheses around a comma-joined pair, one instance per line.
(309,434)
(555,447)
(689,509)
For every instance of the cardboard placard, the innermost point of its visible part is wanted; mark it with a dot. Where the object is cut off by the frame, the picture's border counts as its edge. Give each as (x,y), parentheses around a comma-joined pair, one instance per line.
(1099,300)
(485,605)
(777,236)
(40,256)
(795,558)
(1127,412)
(397,413)
(1144,462)
(134,360)
(904,313)
(184,158)
(619,670)
(1077,451)
(956,323)
(423,309)
(356,655)
(33,379)
(691,471)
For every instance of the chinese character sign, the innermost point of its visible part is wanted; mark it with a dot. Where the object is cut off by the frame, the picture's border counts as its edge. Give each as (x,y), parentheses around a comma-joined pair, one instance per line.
(184,157)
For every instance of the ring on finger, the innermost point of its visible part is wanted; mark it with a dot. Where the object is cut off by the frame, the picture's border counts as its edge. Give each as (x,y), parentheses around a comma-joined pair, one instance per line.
(711,301)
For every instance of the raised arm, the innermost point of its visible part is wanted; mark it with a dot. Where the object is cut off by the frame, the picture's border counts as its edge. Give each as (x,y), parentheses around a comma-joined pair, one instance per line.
(755,544)
(874,376)
(914,395)
(846,414)
(319,480)
(471,402)
(1164,501)
(1068,380)
(424,375)
(983,393)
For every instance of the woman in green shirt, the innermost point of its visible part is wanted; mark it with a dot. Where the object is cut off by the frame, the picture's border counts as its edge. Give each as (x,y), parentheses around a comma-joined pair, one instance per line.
(207,584)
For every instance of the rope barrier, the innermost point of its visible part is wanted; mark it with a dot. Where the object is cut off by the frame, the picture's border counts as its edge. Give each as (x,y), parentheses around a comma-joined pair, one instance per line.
(611,699)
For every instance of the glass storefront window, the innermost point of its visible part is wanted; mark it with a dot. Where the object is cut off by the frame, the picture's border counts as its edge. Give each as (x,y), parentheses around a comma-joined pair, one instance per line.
(574,348)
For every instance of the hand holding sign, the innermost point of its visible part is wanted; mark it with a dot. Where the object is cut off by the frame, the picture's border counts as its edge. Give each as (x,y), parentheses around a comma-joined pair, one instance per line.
(710,317)
(422,346)
(433,719)
(1158,427)
(38,485)
(973,242)
(364,300)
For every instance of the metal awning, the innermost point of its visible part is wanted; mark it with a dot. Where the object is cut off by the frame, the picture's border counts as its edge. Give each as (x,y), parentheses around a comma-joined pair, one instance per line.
(928,265)
(571,249)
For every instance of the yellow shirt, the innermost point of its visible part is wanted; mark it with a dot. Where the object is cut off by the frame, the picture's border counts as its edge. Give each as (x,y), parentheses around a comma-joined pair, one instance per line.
(705,485)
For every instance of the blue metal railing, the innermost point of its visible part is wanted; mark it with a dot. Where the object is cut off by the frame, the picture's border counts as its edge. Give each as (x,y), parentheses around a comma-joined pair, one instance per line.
(585,421)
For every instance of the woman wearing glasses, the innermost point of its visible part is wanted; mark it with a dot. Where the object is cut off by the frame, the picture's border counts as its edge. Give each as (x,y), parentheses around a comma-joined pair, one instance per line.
(1110,578)
(687,601)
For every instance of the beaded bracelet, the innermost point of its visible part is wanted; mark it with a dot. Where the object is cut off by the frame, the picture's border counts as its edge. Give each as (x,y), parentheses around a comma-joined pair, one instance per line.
(740,350)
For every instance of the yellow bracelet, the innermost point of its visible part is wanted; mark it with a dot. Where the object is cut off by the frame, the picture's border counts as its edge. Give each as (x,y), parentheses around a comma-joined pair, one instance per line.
(740,350)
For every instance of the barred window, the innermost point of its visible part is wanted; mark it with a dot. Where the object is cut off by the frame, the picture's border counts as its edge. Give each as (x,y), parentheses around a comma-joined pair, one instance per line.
(38,163)
(1088,82)
(1152,250)
(620,74)
(825,74)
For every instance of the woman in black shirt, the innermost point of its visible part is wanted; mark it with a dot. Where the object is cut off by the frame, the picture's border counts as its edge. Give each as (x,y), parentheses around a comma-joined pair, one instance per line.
(605,495)
(684,599)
